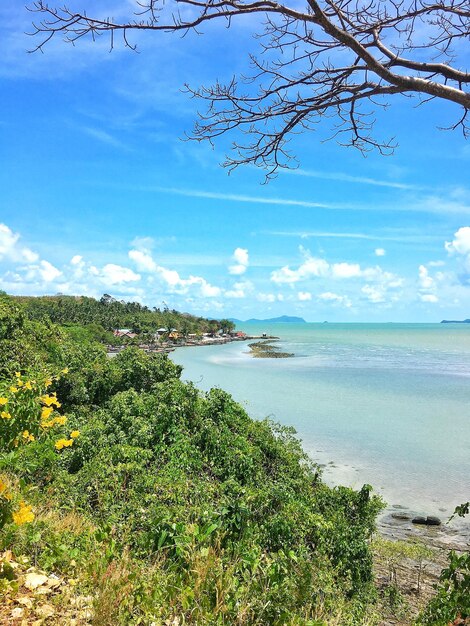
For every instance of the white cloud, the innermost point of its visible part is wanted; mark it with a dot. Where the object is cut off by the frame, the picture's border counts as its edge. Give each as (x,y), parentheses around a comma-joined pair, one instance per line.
(180,285)
(266,297)
(378,275)
(303,296)
(76,260)
(346,270)
(43,270)
(379,252)
(461,242)
(208,290)
(48,272)
(428,297)
(310,268)
(112,274)
(240,289)
(329,296)
(320,268)
(235,293)
(460,246)
(11,251)
(425,280)
(375,294)
(143,260)
(241,258)
(428,285)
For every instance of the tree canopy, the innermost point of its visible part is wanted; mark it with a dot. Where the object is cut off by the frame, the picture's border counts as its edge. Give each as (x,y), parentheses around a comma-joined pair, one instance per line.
(318,60)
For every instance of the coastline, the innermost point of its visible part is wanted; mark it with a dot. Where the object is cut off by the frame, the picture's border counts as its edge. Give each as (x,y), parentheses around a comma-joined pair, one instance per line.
(166,347)
(445,537)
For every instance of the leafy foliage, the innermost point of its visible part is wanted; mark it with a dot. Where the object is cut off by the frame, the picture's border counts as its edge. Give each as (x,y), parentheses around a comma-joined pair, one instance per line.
(89,319)
(188,506)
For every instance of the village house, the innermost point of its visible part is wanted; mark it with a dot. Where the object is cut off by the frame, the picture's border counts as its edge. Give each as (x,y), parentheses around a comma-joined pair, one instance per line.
(124,333)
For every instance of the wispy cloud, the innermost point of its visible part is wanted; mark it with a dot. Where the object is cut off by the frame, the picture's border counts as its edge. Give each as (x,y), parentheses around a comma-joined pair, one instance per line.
(230,197)
(349,178)
(104,137)
(427,204)
(304,234)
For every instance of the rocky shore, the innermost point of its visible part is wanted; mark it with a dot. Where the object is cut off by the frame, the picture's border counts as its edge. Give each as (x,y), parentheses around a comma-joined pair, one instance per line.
(267,350)
(413,577)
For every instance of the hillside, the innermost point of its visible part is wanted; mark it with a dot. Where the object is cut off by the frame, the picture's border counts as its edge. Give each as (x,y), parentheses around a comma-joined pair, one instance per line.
(128,497)
(109,314)
(272,320)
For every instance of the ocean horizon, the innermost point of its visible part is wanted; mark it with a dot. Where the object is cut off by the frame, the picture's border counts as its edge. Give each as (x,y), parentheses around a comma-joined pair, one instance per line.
(384,404)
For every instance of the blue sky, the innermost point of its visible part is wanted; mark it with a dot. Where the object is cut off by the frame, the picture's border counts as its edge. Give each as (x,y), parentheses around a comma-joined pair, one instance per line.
(99,193)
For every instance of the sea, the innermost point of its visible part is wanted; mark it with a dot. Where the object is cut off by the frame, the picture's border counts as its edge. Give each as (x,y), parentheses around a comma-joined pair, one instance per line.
(382,404)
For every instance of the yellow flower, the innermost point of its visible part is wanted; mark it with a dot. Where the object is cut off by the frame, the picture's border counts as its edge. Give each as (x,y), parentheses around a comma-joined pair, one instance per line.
(65,370)
(17,374)
(24,515)
(61,419)
(47,382)
(46,411)
(19,382)
(28,385)
(28,436)
(5,415)
(48,400)
(58,404)
(4,491)
(13,389)
(74,434)
(63,443)
(3,401)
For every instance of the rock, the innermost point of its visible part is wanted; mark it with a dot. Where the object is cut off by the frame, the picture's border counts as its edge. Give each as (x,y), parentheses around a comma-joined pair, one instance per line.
(430,520)
(401,516)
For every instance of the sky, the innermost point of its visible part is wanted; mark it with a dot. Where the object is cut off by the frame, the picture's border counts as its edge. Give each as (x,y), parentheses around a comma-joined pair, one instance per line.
(102,194)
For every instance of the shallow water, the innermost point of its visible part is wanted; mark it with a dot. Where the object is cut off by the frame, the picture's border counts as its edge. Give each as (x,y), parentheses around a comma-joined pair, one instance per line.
(384,404)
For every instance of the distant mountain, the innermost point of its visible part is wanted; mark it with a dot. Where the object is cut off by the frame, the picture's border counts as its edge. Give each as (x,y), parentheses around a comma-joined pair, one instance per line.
(271,320)
(455,322)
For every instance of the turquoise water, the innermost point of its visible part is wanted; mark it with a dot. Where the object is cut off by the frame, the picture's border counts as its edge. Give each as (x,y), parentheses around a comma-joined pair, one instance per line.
(384,404)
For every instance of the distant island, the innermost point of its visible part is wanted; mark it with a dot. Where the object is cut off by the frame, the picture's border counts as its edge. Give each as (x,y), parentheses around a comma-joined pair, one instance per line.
(272,320)
(456,321)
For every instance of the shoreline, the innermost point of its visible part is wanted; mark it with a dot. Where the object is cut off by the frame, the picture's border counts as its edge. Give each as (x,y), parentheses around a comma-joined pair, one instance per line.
(170,346)
(444,537)
(389,526)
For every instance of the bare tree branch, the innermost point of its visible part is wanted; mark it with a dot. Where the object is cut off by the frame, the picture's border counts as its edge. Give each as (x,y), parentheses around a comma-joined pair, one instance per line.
(336,60)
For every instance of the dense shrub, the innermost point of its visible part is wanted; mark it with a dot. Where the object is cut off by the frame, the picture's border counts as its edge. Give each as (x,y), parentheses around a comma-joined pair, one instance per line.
(198,511)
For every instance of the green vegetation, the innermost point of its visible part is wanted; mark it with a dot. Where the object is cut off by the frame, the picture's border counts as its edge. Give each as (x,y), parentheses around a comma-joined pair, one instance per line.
(153,503)
(94,319)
